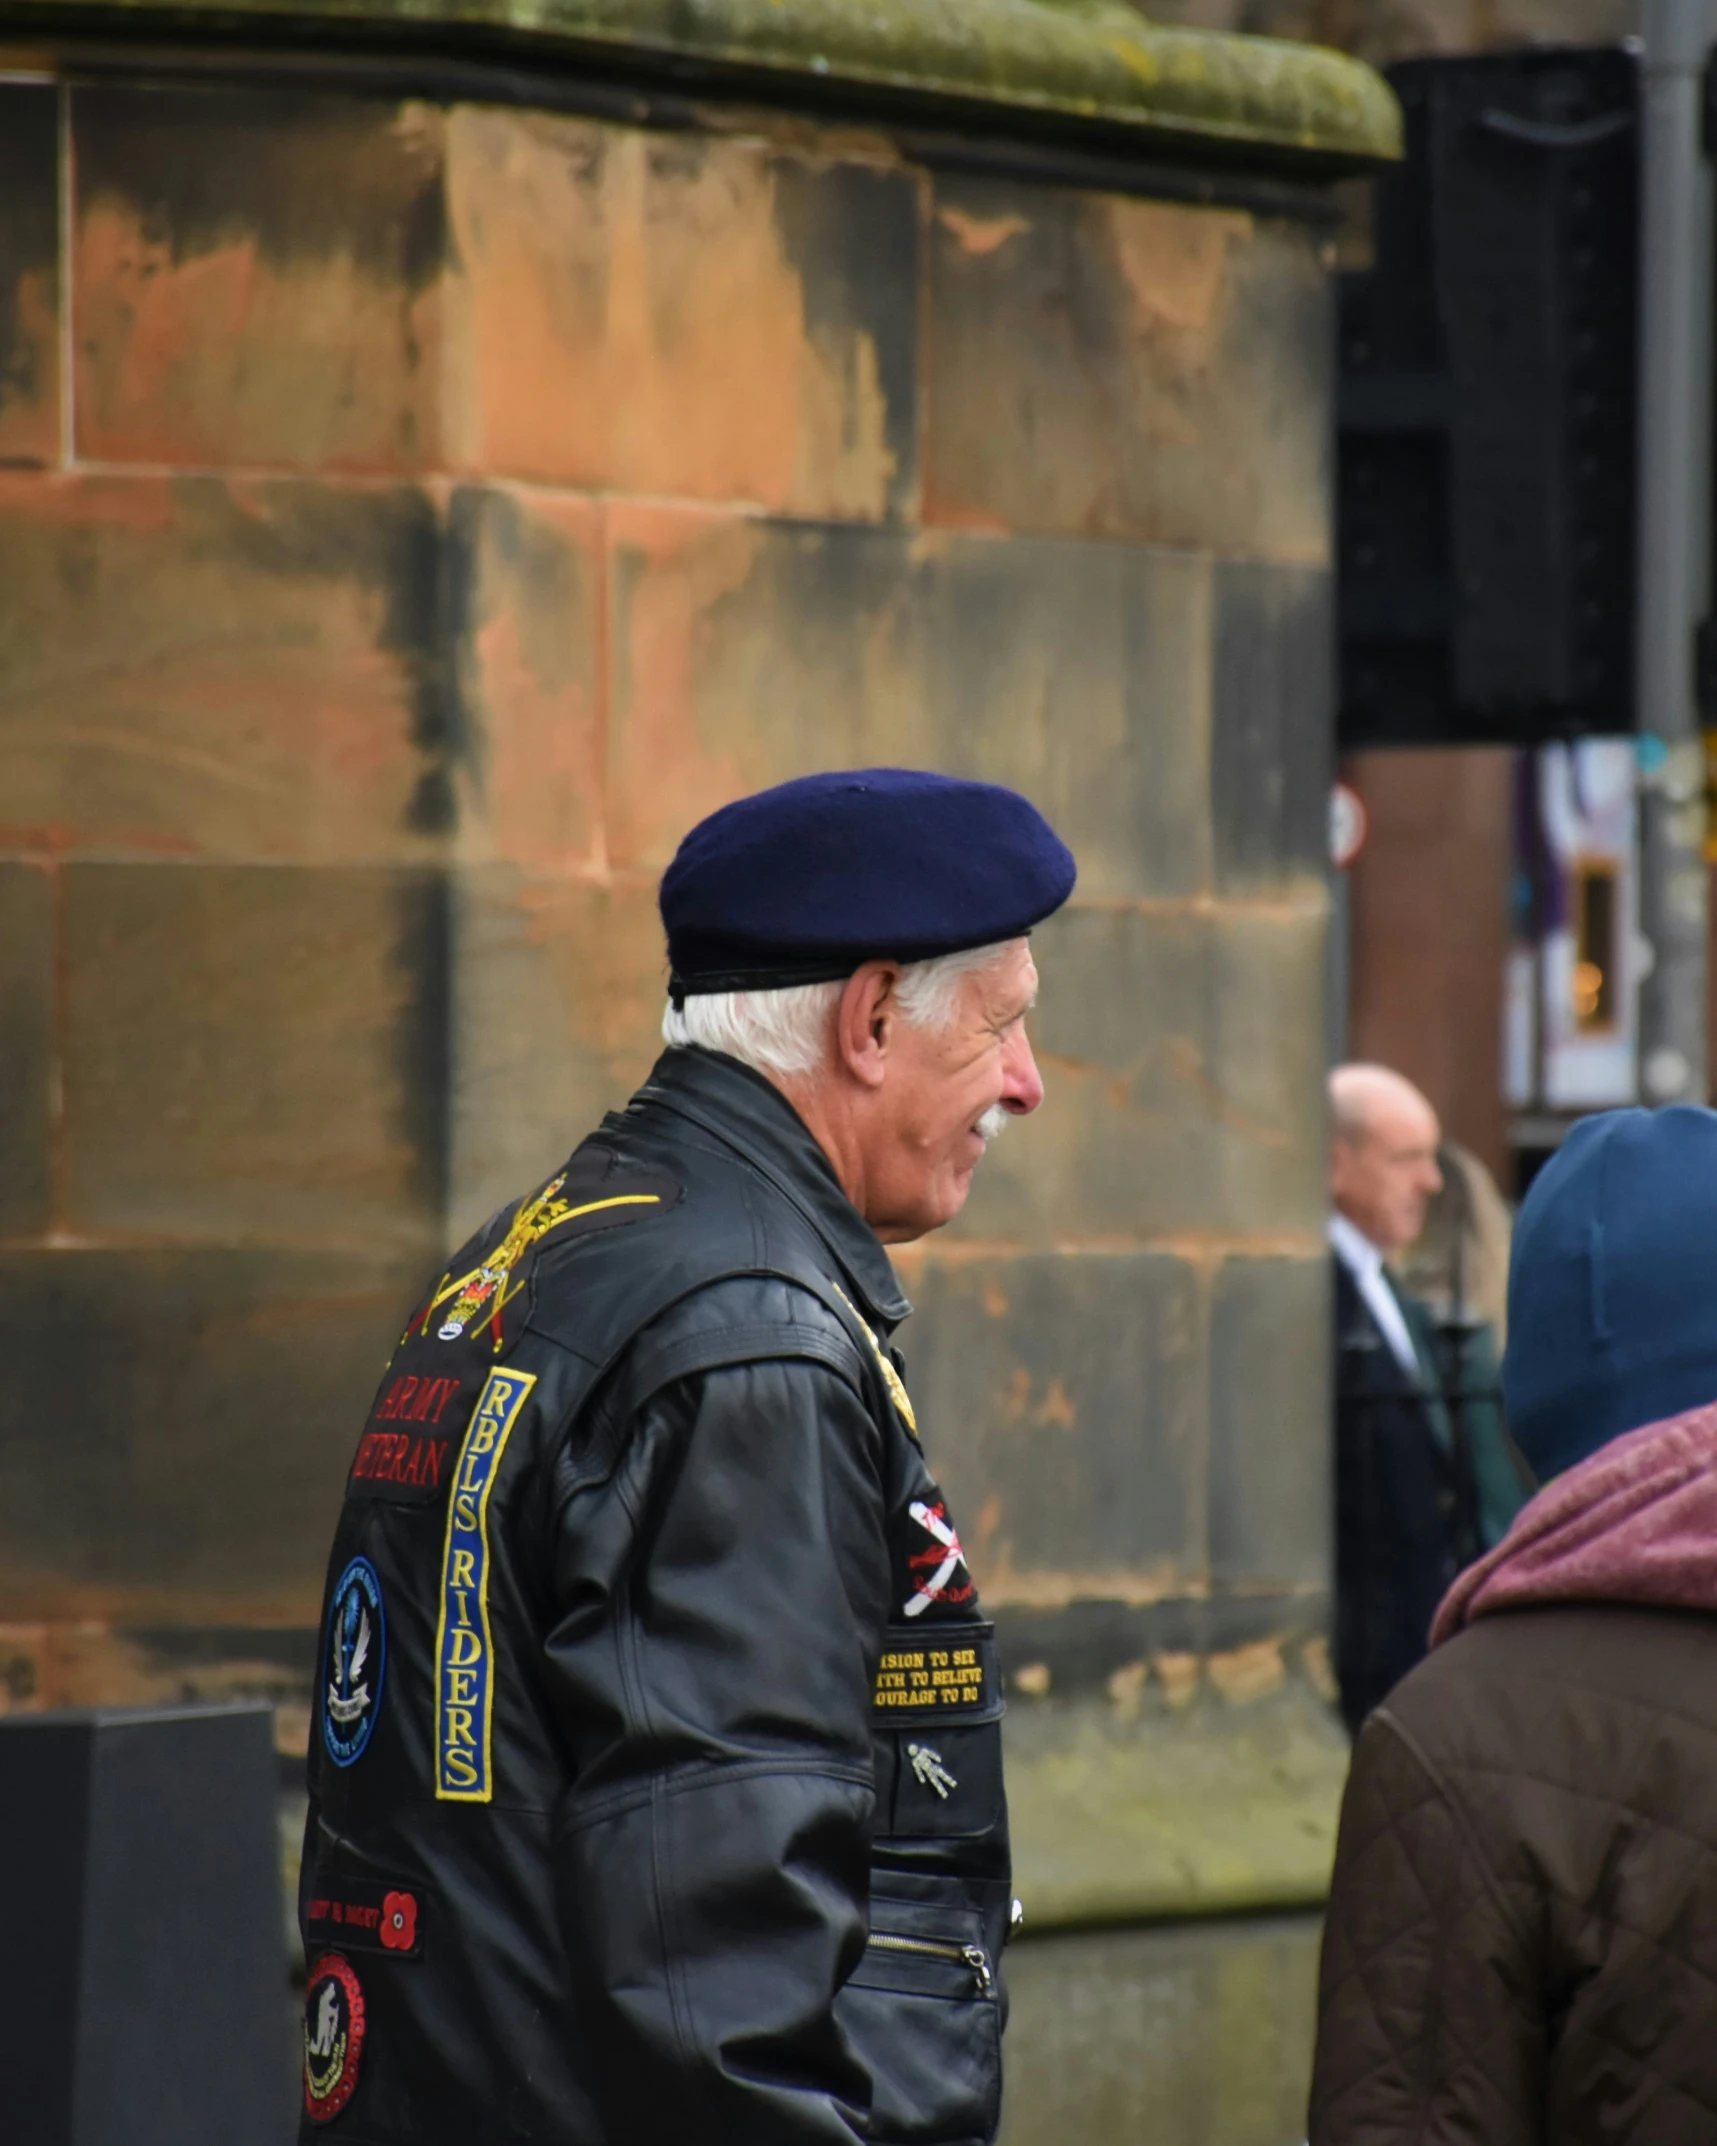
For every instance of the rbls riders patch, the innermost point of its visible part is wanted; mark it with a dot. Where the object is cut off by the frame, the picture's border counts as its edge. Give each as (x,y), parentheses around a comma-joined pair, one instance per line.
(464,1643)
(354,1661)
(333,2036)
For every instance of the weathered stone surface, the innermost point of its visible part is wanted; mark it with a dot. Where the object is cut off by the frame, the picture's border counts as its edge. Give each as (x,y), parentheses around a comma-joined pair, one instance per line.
(92,1663)
(242,670)
(1200,1785)
(257,1052)
(747,650)
(1112,367)
(99,1664)
(557,1008)
(177,1435)
(1183,91)
(1062,1402)
(357,747)
(1270,1479)
(26,1046)
(518,642)
(257,277)
(1182,1054)
(29,273)
(1080,674)
(1075,1651)
(720,320)
(1273,689)
(1200,2034)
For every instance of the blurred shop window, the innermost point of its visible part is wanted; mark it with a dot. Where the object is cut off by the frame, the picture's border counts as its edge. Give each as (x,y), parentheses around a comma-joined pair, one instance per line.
(1596,953)
(1575,959)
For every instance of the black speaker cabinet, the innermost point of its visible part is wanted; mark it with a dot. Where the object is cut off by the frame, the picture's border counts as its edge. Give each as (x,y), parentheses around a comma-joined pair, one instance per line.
(1488,428)
(143,1971)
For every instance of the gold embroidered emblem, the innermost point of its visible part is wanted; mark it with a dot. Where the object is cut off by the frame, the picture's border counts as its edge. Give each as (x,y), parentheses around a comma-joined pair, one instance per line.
(484,1289)
(890,1377)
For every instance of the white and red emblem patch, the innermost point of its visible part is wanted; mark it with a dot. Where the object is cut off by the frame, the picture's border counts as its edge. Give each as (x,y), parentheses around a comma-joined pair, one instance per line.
(333,2036)
(940,1569)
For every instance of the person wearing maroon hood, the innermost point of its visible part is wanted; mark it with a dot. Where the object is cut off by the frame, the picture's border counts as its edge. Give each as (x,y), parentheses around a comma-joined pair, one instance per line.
(1521,1944)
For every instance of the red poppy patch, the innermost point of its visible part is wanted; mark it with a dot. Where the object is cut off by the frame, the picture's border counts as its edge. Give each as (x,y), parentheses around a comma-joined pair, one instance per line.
(333,2036)
(359,1917)
(399,1922)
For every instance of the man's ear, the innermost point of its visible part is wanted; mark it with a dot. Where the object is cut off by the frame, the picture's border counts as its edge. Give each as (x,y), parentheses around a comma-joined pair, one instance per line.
(864,1021)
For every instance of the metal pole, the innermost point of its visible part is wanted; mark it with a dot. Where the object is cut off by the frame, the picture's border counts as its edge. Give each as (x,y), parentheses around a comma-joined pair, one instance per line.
(1675,542)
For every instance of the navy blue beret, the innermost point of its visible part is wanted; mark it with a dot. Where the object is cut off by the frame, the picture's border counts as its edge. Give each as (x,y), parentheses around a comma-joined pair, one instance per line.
(801,883)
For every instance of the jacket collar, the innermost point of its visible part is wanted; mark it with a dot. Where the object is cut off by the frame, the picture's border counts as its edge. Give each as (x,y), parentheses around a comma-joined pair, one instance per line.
(751,1116)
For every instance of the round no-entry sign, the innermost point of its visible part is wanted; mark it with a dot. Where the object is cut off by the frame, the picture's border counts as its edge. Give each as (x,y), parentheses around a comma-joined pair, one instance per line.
(1347,826)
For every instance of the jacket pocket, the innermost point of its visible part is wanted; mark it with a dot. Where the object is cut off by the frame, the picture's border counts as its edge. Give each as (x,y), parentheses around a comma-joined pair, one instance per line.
(921,2011)
(942,1783)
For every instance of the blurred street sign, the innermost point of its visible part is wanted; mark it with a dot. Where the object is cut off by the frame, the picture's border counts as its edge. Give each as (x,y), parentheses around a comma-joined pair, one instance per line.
(1348,825)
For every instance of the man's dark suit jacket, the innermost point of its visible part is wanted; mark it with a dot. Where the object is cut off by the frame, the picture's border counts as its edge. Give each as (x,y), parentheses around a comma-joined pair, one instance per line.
(1405,1504)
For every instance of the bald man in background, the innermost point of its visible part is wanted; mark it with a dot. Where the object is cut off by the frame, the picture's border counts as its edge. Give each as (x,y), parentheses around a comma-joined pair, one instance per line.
(1422,1486)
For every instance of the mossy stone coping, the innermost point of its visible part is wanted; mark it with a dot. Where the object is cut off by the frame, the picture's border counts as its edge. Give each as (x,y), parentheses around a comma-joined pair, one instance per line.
(1095,62)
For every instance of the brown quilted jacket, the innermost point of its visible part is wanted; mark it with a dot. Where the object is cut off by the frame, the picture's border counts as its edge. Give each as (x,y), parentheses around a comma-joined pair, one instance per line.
(1521,1947)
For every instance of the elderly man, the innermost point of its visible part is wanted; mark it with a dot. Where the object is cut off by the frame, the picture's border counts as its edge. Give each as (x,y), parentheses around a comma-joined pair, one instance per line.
(656,1771)
(1424,1477)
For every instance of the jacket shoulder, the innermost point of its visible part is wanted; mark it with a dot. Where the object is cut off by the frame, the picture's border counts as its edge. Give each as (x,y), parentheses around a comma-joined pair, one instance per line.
(690,1247)
(1567,1652)
(1578,1706)
(740,1319)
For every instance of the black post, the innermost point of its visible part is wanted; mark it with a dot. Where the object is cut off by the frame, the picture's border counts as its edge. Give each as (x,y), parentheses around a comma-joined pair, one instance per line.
(143,1989)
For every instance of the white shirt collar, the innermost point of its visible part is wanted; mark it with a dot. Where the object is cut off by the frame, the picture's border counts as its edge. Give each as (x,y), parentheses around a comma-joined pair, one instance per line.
(1356,1250)
(1364,1262)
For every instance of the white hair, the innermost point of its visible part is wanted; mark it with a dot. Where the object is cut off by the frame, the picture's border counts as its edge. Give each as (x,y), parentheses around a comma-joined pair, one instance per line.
(787,1031)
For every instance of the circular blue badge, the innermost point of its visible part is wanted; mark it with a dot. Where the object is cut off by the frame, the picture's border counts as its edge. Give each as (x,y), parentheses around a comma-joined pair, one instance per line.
(354,1662)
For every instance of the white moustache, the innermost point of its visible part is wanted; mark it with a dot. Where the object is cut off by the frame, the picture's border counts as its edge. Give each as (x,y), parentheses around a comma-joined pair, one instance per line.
(990,1125)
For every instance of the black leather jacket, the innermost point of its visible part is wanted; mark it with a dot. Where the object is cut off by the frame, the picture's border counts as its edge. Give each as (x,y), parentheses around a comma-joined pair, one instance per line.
(655,1772)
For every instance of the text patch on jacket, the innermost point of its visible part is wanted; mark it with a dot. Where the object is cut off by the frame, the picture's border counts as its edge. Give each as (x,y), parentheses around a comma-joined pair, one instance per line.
(364,1915)
(405,1455)
(942,1672)
(464,1645)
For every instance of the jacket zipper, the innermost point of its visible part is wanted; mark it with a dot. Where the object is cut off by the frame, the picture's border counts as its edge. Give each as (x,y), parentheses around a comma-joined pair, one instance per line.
(972,1956)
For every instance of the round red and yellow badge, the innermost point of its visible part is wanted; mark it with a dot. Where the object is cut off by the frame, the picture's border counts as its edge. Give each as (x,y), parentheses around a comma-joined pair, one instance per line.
(333,2036)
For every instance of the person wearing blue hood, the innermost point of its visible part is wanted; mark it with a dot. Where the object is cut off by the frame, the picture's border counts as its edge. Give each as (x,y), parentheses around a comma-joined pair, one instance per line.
(1521,1946)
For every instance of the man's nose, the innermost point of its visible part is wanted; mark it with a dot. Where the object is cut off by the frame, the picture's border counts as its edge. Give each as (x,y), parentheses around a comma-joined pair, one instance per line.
(1022,1083)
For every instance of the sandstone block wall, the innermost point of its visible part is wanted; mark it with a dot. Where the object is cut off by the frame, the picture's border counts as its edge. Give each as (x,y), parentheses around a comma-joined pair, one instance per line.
(413,516)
